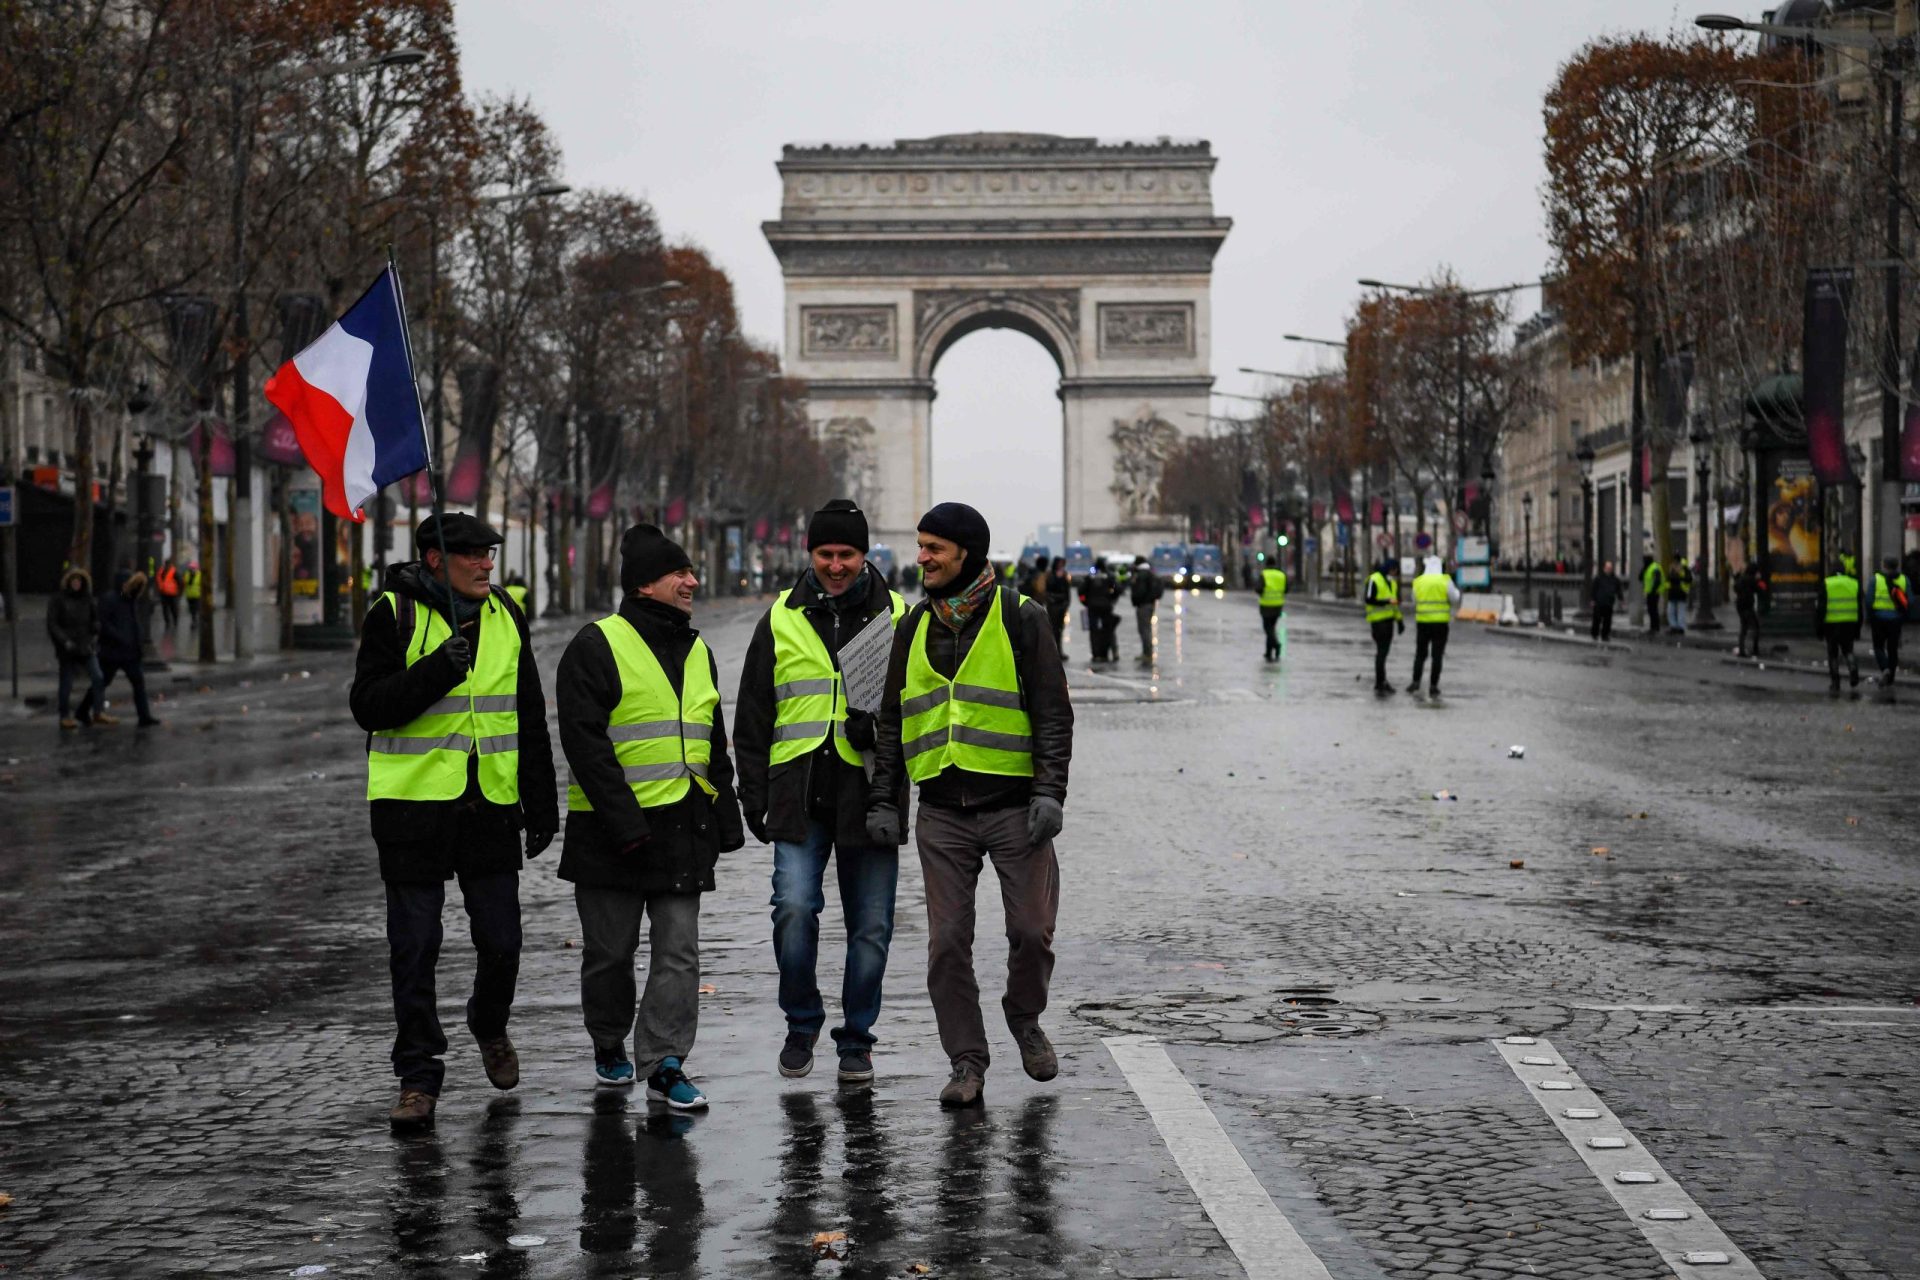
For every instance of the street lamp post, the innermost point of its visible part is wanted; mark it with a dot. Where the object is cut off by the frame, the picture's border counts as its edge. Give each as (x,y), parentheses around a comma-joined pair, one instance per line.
(1526,541)
(1702,443)
(1584,457)
(1553,496)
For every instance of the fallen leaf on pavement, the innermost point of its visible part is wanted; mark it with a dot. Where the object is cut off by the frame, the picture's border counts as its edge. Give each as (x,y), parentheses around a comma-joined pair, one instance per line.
(1600,851)
(708,989)
(5,1199)
(919,1269)
(1517,864)
(1798,902)
(570,943)
(1853,822)
(1240,857)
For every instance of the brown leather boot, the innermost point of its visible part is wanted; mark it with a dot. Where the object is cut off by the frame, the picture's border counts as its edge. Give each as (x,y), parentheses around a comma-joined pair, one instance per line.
(963,1089)
(413,1111)
(1037,1055)
(502,1063)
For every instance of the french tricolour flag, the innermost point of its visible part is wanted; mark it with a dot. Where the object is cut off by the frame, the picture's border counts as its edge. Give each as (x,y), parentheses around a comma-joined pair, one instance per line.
(353,403)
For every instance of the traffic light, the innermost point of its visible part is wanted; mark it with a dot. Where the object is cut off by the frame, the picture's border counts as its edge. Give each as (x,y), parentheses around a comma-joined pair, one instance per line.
(1259,557)
(1283,539)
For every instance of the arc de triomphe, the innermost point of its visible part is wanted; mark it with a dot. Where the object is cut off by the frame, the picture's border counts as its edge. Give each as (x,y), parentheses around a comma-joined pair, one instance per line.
(1101,252)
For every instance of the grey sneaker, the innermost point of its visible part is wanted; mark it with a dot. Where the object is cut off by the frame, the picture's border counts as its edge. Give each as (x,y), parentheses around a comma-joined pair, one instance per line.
(1037,1055)
(796,1055)
(963,1088)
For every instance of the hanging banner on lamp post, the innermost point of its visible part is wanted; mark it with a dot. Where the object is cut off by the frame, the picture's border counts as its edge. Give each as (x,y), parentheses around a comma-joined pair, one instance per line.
(1824,358)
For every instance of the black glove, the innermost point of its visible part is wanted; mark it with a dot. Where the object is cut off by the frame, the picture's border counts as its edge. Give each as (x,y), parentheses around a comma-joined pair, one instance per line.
(859,729)
(883,825)
(537,841)
(458,651)
(1045,817)
(1399,626)
(757,823)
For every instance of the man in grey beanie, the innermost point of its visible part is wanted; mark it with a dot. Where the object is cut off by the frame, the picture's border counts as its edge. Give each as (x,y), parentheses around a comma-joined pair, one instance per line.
(975,713)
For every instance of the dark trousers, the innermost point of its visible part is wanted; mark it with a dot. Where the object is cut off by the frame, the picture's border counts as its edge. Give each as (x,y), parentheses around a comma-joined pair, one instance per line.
(1143,617)
(1653,613)
(953,846)
(1429,637)
(136,676)
(170,611)
(1602,628)
(89,667)
(669,1009)
(413,946)
(868,876)
(1103,633)
(1270,615)
(1839,646)
(1886,645)
(1382,642)
(1749,626)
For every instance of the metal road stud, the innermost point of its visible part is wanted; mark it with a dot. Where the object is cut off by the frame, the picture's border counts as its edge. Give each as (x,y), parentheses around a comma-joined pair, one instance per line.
(1556,1085)
(1606,1144)
(1520,1040)
(1581,1113)
(1635,1178)
(1666,1215)
(1538,1062)
(1705,1258)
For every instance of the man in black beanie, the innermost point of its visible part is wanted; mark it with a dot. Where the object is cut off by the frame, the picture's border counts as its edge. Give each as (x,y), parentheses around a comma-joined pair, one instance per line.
(650,807)
(803,737)
(976,713)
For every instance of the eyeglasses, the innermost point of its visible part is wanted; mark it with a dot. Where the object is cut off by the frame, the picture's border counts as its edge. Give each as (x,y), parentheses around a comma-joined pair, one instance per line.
(474,555)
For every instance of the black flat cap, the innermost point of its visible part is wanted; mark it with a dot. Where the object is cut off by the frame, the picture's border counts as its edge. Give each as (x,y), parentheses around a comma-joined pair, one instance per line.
(464,533)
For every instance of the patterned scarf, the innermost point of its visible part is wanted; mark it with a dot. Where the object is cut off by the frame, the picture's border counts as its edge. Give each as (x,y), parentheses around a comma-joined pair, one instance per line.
(955,610)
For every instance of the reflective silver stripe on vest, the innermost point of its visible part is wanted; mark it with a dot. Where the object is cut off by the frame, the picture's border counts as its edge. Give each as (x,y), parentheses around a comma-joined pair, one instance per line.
(499,744)
(800,730)
(696,768)
(420,746)
(987,697)
(643,730)
(924,743)
(695,732)
(453,706)
(988,738)
(801,689)
(924,702)
(657,772)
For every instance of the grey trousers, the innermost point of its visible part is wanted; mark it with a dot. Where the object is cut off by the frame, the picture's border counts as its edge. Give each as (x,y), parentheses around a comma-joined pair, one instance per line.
(953,847)
(1143,615)
(669,1011)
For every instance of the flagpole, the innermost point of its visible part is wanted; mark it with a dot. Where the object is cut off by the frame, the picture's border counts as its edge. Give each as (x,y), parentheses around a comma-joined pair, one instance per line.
(433,471)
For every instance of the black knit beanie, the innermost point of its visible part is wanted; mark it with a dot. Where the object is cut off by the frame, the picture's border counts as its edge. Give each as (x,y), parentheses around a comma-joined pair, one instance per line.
(966,528)
(839,523)
(648,555)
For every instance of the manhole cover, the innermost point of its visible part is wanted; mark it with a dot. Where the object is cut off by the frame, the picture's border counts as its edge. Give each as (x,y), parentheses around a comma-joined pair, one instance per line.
(1304,1000)
(1330,1029)
(1432,999)
(1307,1015)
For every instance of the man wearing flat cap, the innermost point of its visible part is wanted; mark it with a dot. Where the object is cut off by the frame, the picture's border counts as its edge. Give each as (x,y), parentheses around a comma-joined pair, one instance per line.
(975,713)
(650,809)
(458,765)
(803,746)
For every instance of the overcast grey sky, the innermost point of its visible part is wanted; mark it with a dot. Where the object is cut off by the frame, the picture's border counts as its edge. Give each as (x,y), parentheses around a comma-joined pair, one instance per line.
(1354,138)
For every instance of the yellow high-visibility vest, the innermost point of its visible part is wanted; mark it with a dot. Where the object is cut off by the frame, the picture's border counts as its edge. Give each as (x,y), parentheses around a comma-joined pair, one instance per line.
(1843,598)
(1385,606)
(808,701)
(1430,603)
(664,743)
(426,758)
(975,721)
(1273,589)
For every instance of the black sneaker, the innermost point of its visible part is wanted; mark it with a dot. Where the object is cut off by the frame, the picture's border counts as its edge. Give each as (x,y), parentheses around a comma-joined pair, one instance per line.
(796,1055)
(856,1065)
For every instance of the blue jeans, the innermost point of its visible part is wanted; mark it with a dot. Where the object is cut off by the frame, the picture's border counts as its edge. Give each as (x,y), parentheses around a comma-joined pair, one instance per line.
(89,667)
(1676,615)
(867,878)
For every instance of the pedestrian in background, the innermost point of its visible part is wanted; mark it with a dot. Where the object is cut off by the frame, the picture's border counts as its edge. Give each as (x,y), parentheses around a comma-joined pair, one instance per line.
(167,583)
(458,763)
(976,714)
(73,624)
(122,634)
(1384,618)
(1435,597)
(190,587)
(802,754)
(1059,599)
(1606,595)
(1099,593)
(1837,605)
(1679,587)
(1144,590)
(1749,590)
(1653,583)
(650,810)
(1889,614)
(1273,608)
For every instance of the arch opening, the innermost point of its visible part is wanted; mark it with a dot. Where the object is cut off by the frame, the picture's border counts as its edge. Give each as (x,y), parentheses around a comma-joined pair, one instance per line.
(998,431)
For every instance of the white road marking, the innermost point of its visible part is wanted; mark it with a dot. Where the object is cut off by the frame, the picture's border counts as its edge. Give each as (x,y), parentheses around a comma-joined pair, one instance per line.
(1666,1215)
(1261,1237)
(1750,1008)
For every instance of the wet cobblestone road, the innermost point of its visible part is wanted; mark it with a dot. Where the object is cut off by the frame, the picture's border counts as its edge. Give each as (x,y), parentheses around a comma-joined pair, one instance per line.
(1714,922)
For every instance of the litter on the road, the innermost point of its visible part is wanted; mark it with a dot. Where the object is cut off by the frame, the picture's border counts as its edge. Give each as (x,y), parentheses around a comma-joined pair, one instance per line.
(1516,752)
(526,1242)
(311,1269)
(1516,864)
(1445,795)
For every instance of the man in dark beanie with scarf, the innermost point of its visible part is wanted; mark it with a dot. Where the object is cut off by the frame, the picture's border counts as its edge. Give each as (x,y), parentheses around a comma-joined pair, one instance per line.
(976,714)
(458,764)
(650,809)
(803,738)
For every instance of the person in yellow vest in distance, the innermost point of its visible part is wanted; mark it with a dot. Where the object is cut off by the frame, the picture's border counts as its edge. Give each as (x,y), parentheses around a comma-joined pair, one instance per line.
(517,588)
(190,582)
(1273,608)
(458,763)
(1384,618)
(650,809)
(802,751)
(1837,605)
(975,712)
(1653,582)
(1890,605)
(1435,597)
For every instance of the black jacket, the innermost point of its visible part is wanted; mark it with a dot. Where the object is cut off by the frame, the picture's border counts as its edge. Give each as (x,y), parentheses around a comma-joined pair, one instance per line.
(73,619)
(1099,590)
(120,623)
(820,782)
(683,840)
(1144,587)
(1043,685)
(1606,590)
(434,839)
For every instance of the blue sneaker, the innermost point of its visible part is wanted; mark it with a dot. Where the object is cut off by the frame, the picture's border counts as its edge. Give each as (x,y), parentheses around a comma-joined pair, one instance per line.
(670,1085)
(612,1069)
